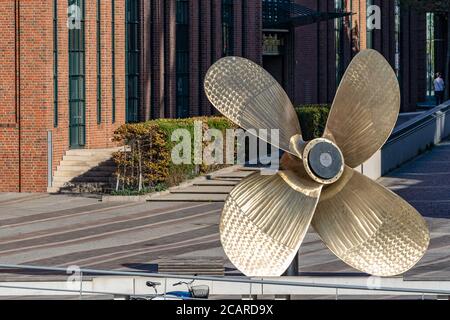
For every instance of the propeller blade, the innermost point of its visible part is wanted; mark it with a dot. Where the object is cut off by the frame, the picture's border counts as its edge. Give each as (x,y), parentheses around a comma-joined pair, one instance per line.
(365,108)
(265,220)
(369,227)
(250,97)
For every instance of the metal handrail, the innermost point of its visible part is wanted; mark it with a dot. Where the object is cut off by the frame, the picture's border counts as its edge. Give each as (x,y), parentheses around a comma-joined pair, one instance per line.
(422,119)
(228,279)
(63,290)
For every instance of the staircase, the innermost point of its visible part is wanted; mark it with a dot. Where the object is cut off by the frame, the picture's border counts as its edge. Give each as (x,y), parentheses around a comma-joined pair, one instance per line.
(85,171)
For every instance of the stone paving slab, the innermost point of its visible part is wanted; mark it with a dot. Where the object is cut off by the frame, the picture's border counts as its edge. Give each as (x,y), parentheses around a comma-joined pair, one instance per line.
(425,184)
(61,230)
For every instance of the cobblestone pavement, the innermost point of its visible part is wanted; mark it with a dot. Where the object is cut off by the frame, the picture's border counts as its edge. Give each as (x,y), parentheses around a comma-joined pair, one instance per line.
(64,230)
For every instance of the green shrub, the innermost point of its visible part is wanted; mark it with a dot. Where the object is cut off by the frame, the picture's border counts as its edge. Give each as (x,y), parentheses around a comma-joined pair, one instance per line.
(313,119)
(145,162)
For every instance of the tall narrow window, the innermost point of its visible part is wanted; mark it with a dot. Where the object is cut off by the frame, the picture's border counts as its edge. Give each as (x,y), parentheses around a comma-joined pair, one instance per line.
(55,63)
(339,40)
(99,63)
(430,54)
(397,14)
(113,53)
(132,57)
(77,92)
(369,32)
(227,27)
(182,58)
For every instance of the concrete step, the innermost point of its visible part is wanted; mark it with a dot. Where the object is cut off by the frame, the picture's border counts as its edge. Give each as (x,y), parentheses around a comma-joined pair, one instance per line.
(204,190)
(92,152)
(95,158)
(82,170)
(225,179)
(232,175)
(216,183)
(54,189)
(58,185)
(85,173)
(186,197)
(85,168)
(82,179)
(87,162)
(59,180)
(87,188)
(252,169)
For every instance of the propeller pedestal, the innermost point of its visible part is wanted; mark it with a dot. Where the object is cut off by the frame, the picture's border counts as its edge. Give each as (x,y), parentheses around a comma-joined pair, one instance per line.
(292,270)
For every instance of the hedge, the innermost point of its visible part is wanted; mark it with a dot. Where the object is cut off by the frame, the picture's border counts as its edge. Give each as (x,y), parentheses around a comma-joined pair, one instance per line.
(313,119)
(145,162)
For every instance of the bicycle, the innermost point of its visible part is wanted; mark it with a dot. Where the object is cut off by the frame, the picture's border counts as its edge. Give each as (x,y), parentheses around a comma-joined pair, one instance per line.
(194,292)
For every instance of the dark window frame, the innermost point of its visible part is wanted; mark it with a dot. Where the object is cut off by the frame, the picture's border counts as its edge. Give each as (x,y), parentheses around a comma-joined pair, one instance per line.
(77,79)
(369,32)
(339,41)
(430,53)
(99,63)
(132,60)
(227,27)
(113,62)
(182,59)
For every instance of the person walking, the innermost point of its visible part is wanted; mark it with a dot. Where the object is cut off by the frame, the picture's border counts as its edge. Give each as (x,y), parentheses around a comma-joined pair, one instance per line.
(439,87)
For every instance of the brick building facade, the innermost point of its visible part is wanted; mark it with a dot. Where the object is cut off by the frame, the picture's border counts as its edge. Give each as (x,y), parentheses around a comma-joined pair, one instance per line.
(308,61)
(134,60)
(50,87)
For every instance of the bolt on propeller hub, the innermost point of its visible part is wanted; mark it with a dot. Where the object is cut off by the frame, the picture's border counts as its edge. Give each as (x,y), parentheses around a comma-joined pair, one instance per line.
(323,161)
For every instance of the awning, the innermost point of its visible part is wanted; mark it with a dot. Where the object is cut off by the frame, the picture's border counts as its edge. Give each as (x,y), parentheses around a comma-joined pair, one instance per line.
(287,15)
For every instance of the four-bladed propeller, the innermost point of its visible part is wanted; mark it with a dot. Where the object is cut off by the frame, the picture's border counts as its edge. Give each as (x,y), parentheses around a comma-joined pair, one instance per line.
(265,218)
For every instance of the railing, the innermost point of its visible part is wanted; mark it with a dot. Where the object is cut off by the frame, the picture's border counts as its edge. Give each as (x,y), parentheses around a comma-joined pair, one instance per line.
(232,280)
(411,137)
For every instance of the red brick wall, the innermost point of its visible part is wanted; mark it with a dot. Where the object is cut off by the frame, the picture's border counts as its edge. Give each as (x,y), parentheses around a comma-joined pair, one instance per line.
(311,52)
(25,89)
(9,141)
(205,23)
(26,115)
(36,101)
(99,135)
(26,69)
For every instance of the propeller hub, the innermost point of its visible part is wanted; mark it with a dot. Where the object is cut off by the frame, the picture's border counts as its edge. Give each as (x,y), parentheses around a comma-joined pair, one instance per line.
(323,161)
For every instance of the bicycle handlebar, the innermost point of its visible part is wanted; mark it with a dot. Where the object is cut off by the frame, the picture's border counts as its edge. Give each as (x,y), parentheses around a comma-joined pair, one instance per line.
(183,282)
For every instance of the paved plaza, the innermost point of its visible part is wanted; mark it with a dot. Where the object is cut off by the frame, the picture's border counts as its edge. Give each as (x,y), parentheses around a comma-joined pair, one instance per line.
(64,230)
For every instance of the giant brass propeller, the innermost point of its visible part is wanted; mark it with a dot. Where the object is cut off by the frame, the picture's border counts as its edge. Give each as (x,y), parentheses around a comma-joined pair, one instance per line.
(265,218)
